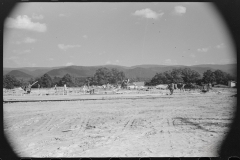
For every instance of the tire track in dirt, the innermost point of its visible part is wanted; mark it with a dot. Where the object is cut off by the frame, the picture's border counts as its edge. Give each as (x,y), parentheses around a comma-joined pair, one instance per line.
(20,123)
(128,127)
(45,122)
(168,134)
(128,123)
(46,127)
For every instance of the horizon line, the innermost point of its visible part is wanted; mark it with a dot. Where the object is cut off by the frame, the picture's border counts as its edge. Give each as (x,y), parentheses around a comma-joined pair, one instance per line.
(121,65)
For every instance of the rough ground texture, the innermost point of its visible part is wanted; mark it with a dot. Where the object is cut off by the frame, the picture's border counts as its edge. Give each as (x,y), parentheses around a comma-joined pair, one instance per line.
(186,124)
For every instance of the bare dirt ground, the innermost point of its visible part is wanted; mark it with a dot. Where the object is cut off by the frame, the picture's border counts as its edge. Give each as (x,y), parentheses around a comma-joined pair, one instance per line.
(179,125)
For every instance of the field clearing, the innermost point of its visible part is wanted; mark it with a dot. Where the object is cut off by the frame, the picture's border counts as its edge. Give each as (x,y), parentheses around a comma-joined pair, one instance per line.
(186,124)
(74,91)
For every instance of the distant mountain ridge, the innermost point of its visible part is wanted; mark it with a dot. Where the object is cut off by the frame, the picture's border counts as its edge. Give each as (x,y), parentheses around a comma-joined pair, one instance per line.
(140,71)
(33,71)
(20,75)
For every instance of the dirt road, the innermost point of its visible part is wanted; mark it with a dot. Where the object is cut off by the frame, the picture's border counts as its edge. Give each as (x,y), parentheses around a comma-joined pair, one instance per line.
(177,125)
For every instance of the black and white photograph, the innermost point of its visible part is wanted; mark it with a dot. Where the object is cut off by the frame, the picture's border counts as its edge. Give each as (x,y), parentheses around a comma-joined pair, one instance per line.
(118,79)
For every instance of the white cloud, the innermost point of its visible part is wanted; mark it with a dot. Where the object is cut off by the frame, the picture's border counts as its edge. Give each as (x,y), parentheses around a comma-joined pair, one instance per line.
(25,51)
(202,49)
(179,10)
(85,36)
(117,61)
(192,55)
(102,53)
(220,46)
(24,22)
(65,47)
(137,23)
(228,61)
(34,16)
(169,61)
(108,62)
(29,40)
(19,61)
(69,64)
(22,52)
(50,59)
(11,58)
(62,15)
(32,64)
(147,13)
(18,42)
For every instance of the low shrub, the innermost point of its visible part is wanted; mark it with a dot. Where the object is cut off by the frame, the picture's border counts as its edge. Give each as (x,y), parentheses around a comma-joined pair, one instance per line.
(192,86)
(220,86)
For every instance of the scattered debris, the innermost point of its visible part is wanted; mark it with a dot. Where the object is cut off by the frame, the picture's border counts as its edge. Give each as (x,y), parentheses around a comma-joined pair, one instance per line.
(204,91)
(67,130)
(194,93)
(70,129)
(119,92)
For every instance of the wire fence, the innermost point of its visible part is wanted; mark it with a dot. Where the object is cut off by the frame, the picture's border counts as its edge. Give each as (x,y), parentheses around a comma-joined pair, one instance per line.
(85,90)
(78,91)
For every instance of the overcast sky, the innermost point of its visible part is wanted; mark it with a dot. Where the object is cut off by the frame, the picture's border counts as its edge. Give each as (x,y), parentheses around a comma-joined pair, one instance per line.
(127,34)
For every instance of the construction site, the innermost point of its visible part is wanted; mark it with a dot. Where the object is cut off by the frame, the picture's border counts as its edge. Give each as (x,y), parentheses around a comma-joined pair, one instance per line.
(109,123)
(120,79)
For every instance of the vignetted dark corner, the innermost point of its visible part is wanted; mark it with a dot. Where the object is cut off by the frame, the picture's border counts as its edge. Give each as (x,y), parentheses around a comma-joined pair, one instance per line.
(230,146)
(6,151)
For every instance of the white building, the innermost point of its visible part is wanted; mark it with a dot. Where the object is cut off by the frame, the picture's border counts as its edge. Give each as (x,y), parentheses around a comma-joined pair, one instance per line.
(136,85)
(232,83)
(162,86)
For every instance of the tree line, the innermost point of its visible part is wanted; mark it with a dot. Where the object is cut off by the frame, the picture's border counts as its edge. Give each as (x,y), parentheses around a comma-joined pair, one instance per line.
(113,76)
(101,77)
(188,76)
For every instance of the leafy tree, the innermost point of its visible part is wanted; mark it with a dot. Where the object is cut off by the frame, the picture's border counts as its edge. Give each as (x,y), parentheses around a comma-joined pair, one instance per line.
(159,78)
(221,77)
(46,81)
(39,79)
(229,78)
(23,82)
(199,81)
(90,81)
(176,76)
(173,76)
(67,79)
(80,81)
(208,77)
(103,76)
(10,82)
(56,80)
(190,76)
(169,77)
(31,81)
(116,76)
